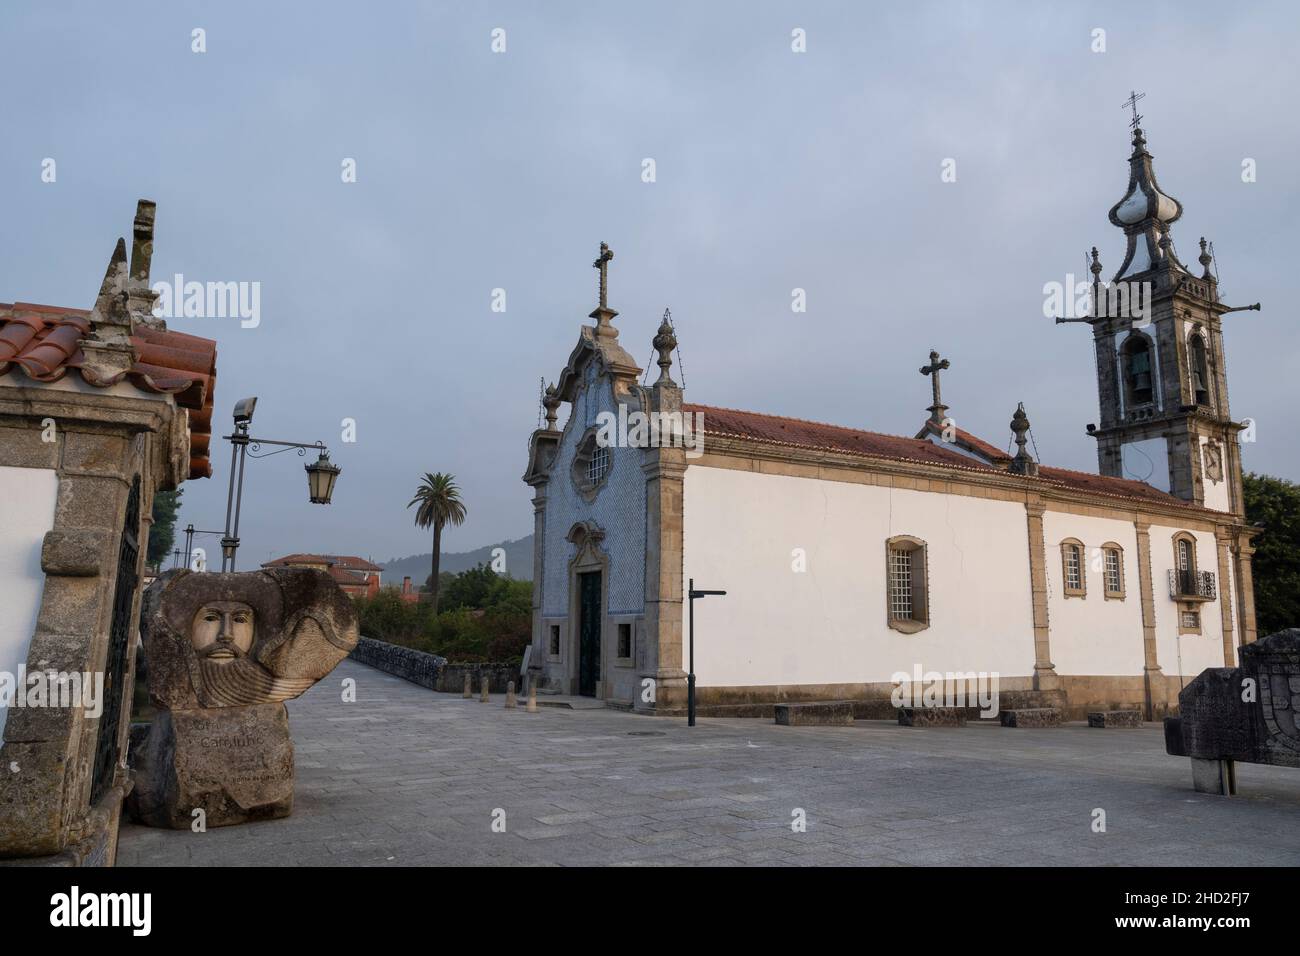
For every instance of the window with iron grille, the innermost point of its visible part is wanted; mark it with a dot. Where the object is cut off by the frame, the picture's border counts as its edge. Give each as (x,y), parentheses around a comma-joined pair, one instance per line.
(907,589)
(1113,569)
(1191,620)
(555,640)
(598,466)
(1072,568)
(900,584)
(625,640)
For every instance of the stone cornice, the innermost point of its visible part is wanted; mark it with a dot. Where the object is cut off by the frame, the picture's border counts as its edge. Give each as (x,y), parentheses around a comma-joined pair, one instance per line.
(987,483)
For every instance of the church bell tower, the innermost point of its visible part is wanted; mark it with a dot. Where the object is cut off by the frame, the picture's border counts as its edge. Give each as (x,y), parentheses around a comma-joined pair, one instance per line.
(1161,374)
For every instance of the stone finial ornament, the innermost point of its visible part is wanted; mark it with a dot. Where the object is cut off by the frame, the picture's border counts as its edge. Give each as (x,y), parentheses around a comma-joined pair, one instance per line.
(1095,268)
(224,651)
(1023,463)
(1205,259)
(664,343)
(551,402)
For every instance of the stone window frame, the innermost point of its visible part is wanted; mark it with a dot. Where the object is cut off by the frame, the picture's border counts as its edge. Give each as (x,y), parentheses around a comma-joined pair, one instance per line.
(555,628)
(1082,590)
(584,452)
(1190,603)
(617,623)
(1112,547)
(920,572)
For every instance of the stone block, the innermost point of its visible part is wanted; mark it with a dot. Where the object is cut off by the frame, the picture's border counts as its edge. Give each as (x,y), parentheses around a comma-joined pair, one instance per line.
(1115,718)
(931,717)
(23,448)
(233,763)
(1031,717)
(829,713)
(80,552)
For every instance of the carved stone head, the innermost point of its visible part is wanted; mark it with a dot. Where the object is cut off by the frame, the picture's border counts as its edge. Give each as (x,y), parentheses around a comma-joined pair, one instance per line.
(228,640)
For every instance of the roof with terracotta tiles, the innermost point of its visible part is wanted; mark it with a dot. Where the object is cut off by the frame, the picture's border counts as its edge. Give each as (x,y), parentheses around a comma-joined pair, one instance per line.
(44,342)
(816,436)
(346,561)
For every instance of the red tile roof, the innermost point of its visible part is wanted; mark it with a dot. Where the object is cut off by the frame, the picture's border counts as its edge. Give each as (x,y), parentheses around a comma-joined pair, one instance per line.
(45,342)
(816,436)
(346,561)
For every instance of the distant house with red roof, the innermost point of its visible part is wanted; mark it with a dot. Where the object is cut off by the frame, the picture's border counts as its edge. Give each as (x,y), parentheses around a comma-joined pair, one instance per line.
(356,576)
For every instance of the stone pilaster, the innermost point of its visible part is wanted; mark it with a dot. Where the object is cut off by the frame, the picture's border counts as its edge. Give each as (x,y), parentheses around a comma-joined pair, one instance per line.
(1245,586)
(1223,538)
(1045,677)
(1153,677)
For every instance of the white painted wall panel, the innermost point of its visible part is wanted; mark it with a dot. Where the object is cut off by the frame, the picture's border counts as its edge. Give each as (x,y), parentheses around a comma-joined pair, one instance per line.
(1093,635)
(828,625)
(27,499)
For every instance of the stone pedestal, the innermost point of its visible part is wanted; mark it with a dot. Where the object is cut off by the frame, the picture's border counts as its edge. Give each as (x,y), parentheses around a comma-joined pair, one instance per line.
(235,764)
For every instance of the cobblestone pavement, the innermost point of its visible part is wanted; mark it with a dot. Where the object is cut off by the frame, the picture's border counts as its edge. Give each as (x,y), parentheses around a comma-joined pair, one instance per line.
(406,776)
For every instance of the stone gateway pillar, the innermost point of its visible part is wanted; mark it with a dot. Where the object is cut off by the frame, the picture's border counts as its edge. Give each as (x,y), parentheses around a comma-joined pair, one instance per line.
(224,651)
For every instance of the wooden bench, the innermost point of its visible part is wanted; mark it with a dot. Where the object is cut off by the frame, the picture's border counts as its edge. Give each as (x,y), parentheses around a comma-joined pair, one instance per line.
(1246,713)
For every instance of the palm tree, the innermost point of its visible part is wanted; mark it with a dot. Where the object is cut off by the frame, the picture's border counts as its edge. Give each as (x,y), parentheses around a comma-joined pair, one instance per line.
(440,504)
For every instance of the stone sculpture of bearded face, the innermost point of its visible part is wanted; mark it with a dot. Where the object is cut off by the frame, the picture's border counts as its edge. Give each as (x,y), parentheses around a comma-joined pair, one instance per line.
(230,640)
(222,630)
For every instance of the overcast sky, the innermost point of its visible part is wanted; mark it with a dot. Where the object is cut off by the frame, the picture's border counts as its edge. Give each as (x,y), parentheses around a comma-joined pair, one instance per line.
(774,170)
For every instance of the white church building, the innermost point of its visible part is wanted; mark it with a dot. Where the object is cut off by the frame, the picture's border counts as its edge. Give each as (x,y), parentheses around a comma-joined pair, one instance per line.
(850,556)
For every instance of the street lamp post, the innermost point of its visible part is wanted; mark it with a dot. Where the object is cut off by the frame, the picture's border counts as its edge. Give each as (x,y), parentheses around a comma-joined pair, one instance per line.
(321,474)
(690,676)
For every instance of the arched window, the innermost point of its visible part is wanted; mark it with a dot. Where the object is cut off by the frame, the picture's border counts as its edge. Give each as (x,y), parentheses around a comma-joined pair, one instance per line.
(1072,570)
(1185,563)
(908,588)
(1200,370)
(1137,371)
(1112,569)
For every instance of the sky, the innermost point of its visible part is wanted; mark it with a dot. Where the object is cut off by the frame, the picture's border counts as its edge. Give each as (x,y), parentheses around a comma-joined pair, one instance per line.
(774,170)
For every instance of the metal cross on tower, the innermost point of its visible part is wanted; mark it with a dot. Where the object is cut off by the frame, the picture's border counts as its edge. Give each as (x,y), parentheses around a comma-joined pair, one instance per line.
(1132,103)
(933,369)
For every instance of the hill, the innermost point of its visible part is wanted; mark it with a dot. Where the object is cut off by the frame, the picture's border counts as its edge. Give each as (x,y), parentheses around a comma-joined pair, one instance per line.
(519,562)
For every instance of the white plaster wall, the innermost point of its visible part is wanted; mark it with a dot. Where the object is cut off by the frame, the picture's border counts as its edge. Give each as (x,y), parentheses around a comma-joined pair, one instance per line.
(27,498)
(828,624)
(1216,492)
(619,508)
(1093,635)
(1188,654)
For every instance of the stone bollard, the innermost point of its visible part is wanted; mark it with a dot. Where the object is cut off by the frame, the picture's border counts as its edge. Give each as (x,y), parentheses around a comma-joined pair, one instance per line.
(510,695)
(483,688)
(468,693)
(532,698)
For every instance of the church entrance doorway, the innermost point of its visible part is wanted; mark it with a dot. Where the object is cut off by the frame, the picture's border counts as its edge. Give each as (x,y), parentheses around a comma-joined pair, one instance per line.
(588,633)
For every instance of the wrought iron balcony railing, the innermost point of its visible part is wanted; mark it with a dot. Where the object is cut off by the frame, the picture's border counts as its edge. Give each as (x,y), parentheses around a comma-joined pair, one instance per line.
(1197,585)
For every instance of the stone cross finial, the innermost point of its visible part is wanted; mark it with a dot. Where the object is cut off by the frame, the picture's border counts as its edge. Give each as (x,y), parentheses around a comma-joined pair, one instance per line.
(602,263)
(551,402)
(664,343)
(1023,463)
(933,369)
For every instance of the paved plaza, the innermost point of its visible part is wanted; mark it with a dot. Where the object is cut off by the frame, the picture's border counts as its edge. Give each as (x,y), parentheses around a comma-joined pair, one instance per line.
(407,776)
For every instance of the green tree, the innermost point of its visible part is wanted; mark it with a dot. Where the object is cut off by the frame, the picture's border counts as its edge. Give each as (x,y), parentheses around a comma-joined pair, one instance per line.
(162,533)
(477,588)
(440,504)
(1274,504)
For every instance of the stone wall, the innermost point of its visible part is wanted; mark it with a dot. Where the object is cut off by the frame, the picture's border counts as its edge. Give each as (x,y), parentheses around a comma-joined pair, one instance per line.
(432,671)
